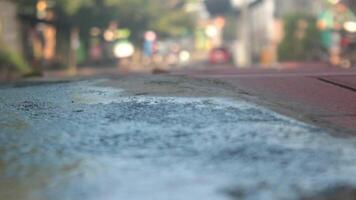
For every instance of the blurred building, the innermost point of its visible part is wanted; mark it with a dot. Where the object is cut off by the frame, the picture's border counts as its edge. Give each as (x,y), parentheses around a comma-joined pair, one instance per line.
(10,36)
(284,7)
(265,25)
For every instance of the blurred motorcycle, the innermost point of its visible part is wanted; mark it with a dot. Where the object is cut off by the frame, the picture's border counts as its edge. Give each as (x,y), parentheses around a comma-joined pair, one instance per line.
(348,45)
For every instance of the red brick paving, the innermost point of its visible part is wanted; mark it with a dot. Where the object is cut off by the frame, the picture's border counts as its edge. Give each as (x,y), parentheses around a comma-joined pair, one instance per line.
(321,92)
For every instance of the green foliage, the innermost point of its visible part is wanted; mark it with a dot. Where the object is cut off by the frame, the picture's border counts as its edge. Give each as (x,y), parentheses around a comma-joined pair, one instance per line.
(14,61)
(166,17)
(137,15)
(172,24)
(72,6)
(301,39)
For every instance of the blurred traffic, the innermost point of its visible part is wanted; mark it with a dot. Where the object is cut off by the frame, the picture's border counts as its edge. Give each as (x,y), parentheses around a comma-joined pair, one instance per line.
(38,36)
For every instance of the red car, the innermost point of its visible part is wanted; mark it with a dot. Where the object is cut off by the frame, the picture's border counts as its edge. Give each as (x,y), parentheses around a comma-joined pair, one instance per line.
(219,56)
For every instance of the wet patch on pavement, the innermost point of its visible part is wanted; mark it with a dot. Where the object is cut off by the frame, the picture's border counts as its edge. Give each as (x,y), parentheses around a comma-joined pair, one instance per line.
(81,141)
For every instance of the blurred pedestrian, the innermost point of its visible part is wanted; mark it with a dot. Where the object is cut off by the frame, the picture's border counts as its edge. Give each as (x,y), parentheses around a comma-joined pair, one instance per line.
(328,35)
(330,24)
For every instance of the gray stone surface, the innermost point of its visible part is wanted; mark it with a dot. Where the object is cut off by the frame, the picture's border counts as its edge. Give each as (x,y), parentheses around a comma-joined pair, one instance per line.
(81,140)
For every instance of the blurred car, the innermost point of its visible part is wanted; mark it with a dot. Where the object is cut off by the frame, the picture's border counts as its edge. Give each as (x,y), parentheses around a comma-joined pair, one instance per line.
(219,55)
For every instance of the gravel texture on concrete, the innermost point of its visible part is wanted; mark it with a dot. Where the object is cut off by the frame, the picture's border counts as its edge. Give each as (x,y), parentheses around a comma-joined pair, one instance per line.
(81,140)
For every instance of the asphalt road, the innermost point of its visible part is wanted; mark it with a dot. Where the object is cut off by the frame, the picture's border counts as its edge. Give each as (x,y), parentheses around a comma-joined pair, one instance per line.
(161,138)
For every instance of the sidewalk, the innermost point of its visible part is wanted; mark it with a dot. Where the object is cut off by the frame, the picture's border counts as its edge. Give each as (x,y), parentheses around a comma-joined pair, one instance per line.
(313,92)
(322,95)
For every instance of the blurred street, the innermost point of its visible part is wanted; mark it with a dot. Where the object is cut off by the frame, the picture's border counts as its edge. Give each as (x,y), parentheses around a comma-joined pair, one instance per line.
(177,99)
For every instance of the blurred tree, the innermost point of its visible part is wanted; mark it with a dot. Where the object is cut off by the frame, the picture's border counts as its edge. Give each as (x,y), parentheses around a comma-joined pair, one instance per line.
(14,61)
(167,18)
(218,7)
(301,41)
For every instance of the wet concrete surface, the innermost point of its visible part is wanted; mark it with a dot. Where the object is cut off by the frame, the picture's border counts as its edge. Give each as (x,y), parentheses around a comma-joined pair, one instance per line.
(161,138)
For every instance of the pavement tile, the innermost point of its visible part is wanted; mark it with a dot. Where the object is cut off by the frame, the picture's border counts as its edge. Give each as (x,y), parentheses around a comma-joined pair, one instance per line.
(312,95)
